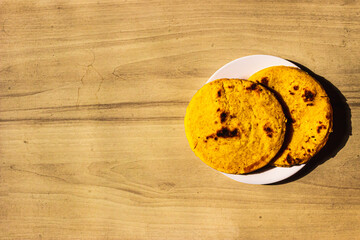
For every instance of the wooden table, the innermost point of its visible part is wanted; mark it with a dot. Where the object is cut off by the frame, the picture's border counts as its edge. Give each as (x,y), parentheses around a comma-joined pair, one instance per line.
(93,96)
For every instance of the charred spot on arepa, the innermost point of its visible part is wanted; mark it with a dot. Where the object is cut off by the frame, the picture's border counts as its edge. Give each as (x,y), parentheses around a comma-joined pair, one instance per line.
(290,159)
(291,93)
(265,80)
(308,95)
(269,131)
(223,116)
(320,127)
(252,87)
(310,104)
(296,88)
(225,132)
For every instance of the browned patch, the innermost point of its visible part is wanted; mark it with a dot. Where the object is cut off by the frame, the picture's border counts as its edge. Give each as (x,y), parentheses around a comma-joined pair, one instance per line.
(224,132)
(219,93)
(251,167)
(223,116)
(252,87)
(216,122)
(320,122)
(308,96)
(291,93)
(265,81)
(328,116)
(231,86)
(296,88)
(269,131)
(218,110)
(308,150)
(290,159)
(320,127)
(293,120)
(310,104)
(232,116)
(254,165)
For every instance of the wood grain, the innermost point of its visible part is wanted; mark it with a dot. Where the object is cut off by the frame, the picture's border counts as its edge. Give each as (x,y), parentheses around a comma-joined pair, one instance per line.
(92,100)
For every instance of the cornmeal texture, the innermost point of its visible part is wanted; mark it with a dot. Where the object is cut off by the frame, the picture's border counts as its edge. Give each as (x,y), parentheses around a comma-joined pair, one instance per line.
(307,107)
(235,126)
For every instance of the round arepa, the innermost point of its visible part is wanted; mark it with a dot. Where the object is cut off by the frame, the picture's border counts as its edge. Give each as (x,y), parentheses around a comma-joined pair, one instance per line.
(235,126)
(307,107)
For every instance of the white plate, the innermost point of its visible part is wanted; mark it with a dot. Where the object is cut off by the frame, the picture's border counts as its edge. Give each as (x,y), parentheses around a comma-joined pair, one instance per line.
(243,68)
